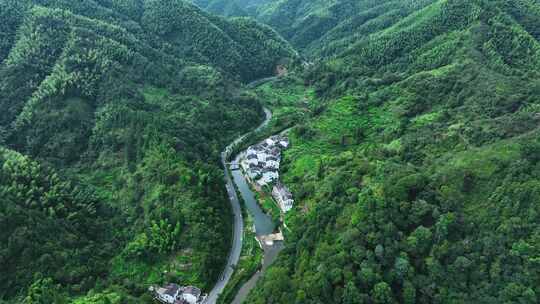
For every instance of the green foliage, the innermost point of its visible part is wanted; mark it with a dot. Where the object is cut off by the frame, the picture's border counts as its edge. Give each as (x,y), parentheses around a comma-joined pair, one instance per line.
(243,47)
(434,199)
(118,110)
(413,161)
(224,8)
(163,237)
(328,27)
(48,226)
(44,291)
(11,13)
(251,258)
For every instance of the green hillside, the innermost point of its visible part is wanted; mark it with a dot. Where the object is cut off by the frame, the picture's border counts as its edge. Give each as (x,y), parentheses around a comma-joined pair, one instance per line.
(232,8)
(224,8)
(321,28)
(113,117)
(214,40)
(414,158)
(415,172)
(324,28)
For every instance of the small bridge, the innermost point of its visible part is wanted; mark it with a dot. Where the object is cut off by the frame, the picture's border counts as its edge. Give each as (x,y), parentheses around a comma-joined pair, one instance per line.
(233,166)
(269,239)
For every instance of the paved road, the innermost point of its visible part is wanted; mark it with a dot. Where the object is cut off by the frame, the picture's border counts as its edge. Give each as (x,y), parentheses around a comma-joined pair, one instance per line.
(259,82)
(238,231)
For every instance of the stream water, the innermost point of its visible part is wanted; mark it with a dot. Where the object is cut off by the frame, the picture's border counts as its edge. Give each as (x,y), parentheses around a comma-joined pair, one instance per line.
(263,222)
(263,226)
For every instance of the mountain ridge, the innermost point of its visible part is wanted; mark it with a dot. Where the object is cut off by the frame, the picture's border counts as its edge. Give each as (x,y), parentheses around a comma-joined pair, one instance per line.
(408,164)
(110,122)
(413,154)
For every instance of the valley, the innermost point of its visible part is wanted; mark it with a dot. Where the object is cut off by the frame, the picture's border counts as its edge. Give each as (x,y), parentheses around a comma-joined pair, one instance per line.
(410,175)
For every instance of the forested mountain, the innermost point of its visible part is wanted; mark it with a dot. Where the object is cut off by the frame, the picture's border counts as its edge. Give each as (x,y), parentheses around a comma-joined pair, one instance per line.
(224,8)
(113,116)
(232,8)
(414,158)
(323,27)
(415,163)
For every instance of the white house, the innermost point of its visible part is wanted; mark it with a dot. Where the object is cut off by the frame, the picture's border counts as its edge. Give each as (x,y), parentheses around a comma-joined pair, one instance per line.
(251,150)
(271,141)
(268,176)
(252,159)
(284,143)
(261,156)
(190,294)
(275,152)
(168,294)
(283,197)
(176,294)
(274,164)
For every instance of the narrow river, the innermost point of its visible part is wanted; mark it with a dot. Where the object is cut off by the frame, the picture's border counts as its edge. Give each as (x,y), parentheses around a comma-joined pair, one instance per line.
(263,226)
(263,222)
(238,223)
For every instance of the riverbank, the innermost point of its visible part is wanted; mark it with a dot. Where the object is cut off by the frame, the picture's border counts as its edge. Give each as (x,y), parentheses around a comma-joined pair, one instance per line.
(254,258)
(251,259)
(261,203)
(238,224)
(260,219)
(270,255)
(264,225)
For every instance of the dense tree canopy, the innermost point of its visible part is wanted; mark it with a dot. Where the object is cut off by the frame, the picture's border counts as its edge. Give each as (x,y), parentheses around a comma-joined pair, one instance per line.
(113,116)
(414,176)
(414,158)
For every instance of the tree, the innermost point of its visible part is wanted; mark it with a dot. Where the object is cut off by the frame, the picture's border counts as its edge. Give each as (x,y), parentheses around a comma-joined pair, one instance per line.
(409,293)
(352,295)
(44,291)
(420,240)
(382,294)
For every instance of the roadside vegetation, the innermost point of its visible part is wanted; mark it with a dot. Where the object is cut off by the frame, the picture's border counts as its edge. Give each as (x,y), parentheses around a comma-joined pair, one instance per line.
(414,158)
(416,182)
(110,134)
(250,262)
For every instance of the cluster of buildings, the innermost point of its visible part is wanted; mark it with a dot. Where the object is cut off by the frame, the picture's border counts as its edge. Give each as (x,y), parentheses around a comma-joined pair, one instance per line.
(261,161)
(176,294)
(261,165)
(283,197)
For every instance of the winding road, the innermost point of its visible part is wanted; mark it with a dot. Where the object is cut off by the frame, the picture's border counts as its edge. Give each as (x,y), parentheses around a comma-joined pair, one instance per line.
(238,229)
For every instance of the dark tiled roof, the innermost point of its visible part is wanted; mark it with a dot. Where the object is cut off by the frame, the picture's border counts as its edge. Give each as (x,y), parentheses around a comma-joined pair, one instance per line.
(283,191)
(172,289)
(192,290)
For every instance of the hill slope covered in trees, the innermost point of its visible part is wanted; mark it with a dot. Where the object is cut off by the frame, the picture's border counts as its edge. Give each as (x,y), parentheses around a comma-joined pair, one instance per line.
(415,170)
(113,116)
(232,8)
(413,161)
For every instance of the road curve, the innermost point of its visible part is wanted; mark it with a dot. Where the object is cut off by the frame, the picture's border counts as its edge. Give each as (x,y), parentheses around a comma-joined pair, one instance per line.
(238,227)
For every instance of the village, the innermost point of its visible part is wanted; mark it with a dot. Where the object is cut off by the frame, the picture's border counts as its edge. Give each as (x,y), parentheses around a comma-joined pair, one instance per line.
(261,163)
(176,294)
